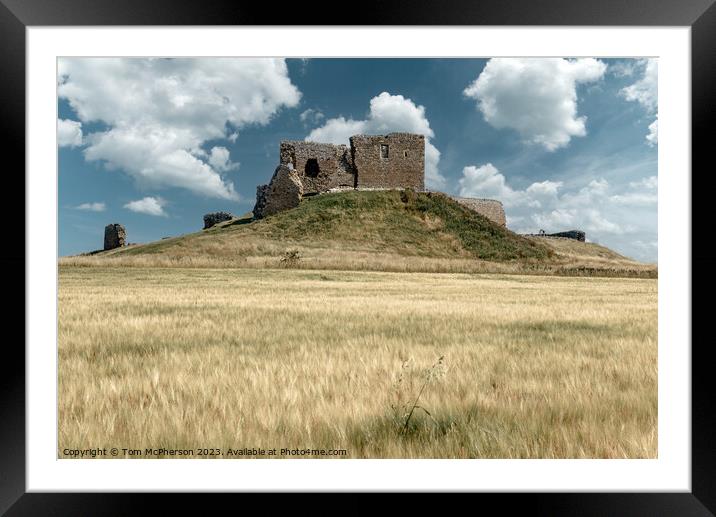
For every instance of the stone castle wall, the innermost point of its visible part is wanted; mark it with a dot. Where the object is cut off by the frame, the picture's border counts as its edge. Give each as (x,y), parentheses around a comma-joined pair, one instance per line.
(396,160)
(371,162)
(320,167)
(490,208)
(283,193)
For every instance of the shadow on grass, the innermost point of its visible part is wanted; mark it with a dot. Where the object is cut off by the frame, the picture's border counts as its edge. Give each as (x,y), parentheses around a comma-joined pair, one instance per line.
(447,435)
(239,222)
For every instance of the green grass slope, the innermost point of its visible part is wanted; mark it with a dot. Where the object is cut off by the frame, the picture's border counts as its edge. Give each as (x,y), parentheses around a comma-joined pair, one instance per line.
(377,231)
(404,223)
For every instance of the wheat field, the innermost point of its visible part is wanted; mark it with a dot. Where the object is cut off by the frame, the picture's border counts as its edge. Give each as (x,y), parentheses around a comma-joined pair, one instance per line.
(237,361)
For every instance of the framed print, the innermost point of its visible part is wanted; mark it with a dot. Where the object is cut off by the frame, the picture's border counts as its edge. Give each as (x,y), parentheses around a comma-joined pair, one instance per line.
(450,251)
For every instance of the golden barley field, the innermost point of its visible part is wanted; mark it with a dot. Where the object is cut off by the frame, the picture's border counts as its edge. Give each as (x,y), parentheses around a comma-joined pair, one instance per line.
(225,361)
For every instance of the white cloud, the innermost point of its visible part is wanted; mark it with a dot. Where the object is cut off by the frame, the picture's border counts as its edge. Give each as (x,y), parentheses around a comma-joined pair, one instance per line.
(92,207)
(537,97)
(148,205)
(544,188)
(635,198)
(557,218)
(650,183)
(69,133)
(599,187)
(622,68)
(219,159)
(612,214)
(543,193)
(311,116)
(653,137)
(485,181)
(396,113)
(433,178)
(645,91)
(642,193)
(388,113)
(160,112)
(337,130)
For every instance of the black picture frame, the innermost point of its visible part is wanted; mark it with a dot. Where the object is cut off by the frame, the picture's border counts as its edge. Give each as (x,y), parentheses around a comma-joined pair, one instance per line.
(700,15)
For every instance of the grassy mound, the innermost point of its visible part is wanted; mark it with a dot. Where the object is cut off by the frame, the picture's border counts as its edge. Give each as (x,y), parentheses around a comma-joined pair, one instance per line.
(403,223)
(395,231)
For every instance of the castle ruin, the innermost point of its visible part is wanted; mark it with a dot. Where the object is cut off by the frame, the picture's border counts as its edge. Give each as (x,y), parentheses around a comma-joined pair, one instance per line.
(371,162)
(392,161)
(115,236)
(395,160)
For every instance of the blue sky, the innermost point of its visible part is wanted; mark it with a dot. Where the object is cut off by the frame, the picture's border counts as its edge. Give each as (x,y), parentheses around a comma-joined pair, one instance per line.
(155,144)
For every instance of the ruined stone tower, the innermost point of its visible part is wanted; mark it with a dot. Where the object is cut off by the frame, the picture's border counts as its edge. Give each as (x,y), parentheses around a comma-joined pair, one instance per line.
(115,236)
(396,160)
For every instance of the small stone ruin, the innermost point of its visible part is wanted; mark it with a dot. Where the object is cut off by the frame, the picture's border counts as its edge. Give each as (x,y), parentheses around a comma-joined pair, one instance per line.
(261,198)
(216,218)
(490,208)
(284,191)
(115,236)
(577,235)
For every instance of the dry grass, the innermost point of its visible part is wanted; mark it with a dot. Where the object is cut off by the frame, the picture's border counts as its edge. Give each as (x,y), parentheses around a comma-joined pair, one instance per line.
(534,367)
(571,259)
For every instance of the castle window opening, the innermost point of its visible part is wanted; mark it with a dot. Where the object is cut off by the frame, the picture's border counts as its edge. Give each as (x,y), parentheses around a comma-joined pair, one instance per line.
(383,150)
(405,154)
(312,169)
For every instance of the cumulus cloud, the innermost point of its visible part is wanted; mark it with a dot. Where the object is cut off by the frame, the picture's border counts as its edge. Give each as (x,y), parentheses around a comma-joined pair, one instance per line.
(433,178)
(610,214)
(623,68)
(485,181)
(219,159)
(537,97)
(92,207)
(337,130)
(651,183)
(69,133)
(635,198)
(388,113)
(545,190)
(645,91)
(643,193)
(148,205)
(159,113)
(312,116)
